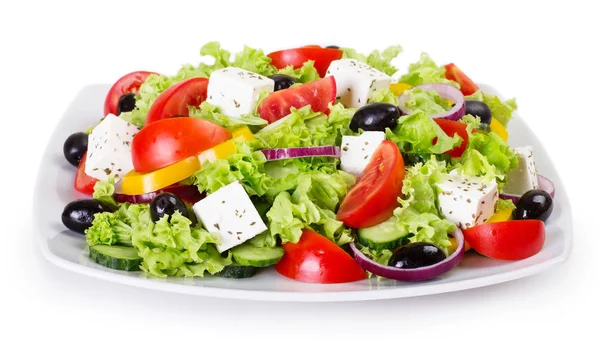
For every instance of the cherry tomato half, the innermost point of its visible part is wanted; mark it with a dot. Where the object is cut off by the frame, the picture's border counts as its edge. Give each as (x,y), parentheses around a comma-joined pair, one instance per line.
(510,240)
(129,83)
(174,101)
(467,86)
(84,183)
(296,57)
(451,127)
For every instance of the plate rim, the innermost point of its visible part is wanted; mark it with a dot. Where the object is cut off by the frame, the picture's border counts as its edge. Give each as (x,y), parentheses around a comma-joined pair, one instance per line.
(289,296)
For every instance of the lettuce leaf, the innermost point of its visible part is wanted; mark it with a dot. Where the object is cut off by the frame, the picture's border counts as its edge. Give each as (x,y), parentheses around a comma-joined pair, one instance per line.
(211,113)
(501,110)
(425,71)
(104,190)
(428,101)
(384,95)
(381,61)
(254,60)
(504,204)
(306,73)
(415,134)
(311,205)
(117,228)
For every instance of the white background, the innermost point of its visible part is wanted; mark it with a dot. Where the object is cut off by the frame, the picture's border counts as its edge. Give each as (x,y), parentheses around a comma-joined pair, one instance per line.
(543,53)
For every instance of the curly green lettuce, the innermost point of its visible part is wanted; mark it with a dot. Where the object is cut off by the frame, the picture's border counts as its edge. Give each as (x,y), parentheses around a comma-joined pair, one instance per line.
(381,61)
(304,74)
(117,228)
(104,191)
(211,113)
(428,101)
(501,110)
(416,132)
(425,71)
(383,95)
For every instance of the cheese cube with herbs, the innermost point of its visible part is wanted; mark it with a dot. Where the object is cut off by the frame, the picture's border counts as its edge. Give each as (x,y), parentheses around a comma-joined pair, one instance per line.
(356,81)
(109,148)
(524,177)
(229,212)
(467,201)
(236,91)
(357,150)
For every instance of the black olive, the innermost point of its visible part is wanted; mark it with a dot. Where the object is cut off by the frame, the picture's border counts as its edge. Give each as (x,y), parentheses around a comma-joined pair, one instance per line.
(534,204)
(375,117)
(480,109)
(75,147)
(415,255)
(126,103)
(282,81)
(167,204)
(333,46)
(78,215)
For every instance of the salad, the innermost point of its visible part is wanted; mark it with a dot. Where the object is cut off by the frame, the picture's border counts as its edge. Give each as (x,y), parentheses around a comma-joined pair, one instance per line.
(325,163)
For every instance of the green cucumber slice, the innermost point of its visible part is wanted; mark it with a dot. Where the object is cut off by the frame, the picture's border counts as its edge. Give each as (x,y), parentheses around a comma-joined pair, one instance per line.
(116,257)
(249,255)
(237,271)
(385,235)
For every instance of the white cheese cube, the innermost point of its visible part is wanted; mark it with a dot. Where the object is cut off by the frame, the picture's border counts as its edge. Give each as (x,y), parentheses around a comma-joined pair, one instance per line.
(524,177)
(356,81)
(229,212)
(357,150)
(467,201)
(236,91)
(109,148)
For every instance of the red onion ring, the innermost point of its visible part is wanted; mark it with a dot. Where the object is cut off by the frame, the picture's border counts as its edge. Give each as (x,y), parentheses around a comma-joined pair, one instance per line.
(446,91)
(543,182)
(187,193)
(299,152)
(418,274)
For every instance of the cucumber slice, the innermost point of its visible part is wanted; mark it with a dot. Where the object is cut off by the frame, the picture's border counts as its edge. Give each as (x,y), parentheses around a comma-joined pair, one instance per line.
(237,271)
(116,257)
(249,255)
(385,235)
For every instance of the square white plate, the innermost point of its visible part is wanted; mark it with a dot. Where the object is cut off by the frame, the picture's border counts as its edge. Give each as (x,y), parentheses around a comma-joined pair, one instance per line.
(54,189)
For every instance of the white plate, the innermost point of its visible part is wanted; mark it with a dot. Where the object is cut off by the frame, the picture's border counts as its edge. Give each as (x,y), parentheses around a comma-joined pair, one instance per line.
(67,249)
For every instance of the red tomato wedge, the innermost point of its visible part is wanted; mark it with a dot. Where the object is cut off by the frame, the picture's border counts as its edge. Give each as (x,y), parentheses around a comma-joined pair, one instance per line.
(129,83)
(316,259)
(374,197)
(168,141)
(467,86)
(451,127)
(296,57)
(510,240)
(84,183)
(174,100)
(318,94)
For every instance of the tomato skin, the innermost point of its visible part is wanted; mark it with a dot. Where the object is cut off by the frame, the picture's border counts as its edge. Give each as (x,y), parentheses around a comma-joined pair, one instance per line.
(315,259)
(318,94)
(374,197)
(451,127)
(129,83)
(84,183)
(170,140)
(296,57)
(174,100)
(467,86)
(509,240)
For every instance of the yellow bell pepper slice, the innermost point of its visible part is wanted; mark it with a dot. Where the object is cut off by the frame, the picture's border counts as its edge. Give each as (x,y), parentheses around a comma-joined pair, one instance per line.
(501,216)
(227,148)
(135,183)
(499,129)
(454,244)
(399,88)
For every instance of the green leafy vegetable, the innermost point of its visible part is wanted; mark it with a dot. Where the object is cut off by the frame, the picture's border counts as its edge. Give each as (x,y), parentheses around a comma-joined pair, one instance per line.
(104,190)
(504,204)
(501,110)
(384,95)
(425,71)
(306,73)
(428,101)
(211,113)
(381,61)
(416,132)
(116,228)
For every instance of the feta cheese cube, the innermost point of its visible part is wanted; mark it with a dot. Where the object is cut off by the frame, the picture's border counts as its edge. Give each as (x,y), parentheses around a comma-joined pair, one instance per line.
(467,201)
(524,177)
(356,81)
(229,212)
(357,150)
(109,148)
(236,91)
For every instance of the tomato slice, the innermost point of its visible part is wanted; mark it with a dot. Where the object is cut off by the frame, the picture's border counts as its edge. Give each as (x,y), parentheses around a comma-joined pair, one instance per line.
(467,86)
(129,83)
(174,100)
(296,57)
(510,240)
(451,127)
(374,197)
(84,183)
(316,259)
(318,94)
(168,141)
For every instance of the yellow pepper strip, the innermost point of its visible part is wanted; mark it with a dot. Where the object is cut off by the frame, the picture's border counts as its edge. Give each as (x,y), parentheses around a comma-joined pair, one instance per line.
(454,244)
(227,148)
(135,183)
(399,88)
(499,129)
(501,216)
